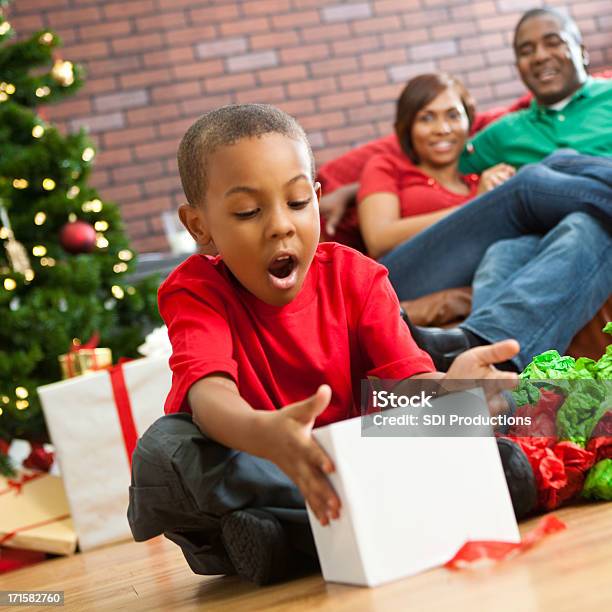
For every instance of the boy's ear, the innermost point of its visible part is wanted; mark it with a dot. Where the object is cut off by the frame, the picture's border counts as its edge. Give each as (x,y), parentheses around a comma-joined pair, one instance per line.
(192,218)
(317,188)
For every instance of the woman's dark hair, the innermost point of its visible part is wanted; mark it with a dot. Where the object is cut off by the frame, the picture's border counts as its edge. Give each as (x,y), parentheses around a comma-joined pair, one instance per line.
(419,92)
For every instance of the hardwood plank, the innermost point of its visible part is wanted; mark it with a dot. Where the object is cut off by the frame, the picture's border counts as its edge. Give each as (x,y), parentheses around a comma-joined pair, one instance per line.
(569,570)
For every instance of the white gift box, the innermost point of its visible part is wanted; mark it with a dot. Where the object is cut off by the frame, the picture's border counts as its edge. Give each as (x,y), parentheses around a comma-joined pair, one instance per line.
(90,443)
(408,503)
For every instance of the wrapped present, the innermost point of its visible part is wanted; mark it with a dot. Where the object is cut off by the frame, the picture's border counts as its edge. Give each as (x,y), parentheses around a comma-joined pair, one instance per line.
(35,514)
(84,358)
(15,558)
(94,422)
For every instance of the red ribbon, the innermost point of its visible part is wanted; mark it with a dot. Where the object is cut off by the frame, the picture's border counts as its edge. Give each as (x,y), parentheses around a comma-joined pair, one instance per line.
(12,534)
(17,485)
(124,408)
(485,553)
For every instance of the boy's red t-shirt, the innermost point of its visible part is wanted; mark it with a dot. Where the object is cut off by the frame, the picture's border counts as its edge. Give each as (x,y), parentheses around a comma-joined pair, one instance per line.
(343,326)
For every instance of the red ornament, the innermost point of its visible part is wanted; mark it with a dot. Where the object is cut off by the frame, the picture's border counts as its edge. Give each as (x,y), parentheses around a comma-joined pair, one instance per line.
(78,237)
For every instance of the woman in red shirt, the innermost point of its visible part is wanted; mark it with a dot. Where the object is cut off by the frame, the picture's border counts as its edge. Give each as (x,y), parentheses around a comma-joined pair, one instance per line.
(417,182)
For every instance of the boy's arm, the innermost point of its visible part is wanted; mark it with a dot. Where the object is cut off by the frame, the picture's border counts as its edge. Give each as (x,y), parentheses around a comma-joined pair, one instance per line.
(283,437)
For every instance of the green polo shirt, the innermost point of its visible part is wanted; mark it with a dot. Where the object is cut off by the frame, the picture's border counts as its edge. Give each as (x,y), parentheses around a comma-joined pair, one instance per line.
(529,135)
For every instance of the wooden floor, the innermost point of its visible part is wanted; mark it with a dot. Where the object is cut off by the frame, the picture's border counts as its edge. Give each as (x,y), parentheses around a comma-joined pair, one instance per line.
(571,570)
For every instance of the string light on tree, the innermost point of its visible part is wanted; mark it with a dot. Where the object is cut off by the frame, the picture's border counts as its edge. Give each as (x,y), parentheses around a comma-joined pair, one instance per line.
(10,284)
(48,184)
(125,255)
(38,131)
(63,72)
(46,38)
(101,226)
(39,250)
(39,218)
(4,28)
(117,292)
(20,183)
(42,92)
(88,154)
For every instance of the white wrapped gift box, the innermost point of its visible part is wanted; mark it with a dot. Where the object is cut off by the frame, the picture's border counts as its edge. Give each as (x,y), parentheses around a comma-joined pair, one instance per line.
(92,442)
(408,503)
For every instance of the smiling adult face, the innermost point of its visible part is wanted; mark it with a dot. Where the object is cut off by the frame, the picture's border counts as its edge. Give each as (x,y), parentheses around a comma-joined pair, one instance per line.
(549,58)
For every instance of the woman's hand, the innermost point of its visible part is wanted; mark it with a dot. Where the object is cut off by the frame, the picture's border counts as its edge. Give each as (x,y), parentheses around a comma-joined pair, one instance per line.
(332,206)
(494,177)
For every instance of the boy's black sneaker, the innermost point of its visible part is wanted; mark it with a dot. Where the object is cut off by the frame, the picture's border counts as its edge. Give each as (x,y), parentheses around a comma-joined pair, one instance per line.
(519,477)
(256,545)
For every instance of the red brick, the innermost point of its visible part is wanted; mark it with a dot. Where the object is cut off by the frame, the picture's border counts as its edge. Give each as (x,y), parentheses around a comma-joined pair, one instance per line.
(70,108)
(350,134)
(329,153)
(150,245)
(401,74)
(474,9)
(222,48)
(433,50)
(274,40)
(265,95)
(302,4)
(362,79)
(122,193)
(276,75)
(500,22)
(163,93)
(265,7)
(144,78)
(123,10)
(424,17)
(151,113)
(383,94)
(137,171)
(512,88)
(85,51)
(347,12)
(487,76)
(500,56)
(201,69)
(252,61)
(77,16)
(513,6)
(161,185)
(129,136)
(26,6)
(323,121)
(297,108)
(189,36)
(403,38)
(197,106)
(26,23)
(175,128)
(234,81)
(482,95)
(214,14)
(156,149)
(356,45)
(377,24)
(110,158)
(484,41)
(381,7)
(105,30)
(304,53)
(245,26)
(311,87)
(159,21)
(330,32)
(462,62)
(138,43)
(104,85)
(174,55)
(117,66)
(372,112)
(457,29)
(316,139)
(99,123)
(333,66)
(121,100)
(99,178)
(341,100)
(295,19)
(383,58)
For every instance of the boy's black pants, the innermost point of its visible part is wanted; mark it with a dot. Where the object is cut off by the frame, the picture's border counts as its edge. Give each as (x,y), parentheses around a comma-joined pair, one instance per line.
(183,483)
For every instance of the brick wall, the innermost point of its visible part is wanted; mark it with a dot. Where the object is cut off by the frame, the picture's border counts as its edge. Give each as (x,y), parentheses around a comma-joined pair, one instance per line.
(155,65)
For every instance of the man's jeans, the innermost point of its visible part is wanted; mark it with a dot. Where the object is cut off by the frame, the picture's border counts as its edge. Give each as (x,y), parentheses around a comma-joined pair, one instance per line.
(547,286)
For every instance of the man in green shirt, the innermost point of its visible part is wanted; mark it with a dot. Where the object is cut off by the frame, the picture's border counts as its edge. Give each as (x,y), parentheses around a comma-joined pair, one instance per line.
(569,109)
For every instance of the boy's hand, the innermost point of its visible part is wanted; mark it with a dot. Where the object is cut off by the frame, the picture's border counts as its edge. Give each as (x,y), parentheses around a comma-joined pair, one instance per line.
(295,451)
(477,364)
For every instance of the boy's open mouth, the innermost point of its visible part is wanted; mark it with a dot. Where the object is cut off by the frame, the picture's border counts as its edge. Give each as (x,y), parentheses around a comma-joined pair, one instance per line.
(283,271)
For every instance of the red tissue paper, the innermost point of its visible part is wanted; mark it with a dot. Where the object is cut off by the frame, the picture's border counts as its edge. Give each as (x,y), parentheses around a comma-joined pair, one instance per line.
(16,558)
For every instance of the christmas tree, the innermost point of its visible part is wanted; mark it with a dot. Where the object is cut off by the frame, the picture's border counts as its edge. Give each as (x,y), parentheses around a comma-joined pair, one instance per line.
(65,260)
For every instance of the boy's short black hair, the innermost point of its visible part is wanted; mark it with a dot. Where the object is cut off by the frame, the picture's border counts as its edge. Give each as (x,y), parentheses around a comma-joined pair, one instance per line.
(564,19)
(225,126)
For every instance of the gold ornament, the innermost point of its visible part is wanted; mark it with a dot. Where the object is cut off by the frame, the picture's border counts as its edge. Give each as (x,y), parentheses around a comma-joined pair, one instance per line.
(63,72)
(15,251)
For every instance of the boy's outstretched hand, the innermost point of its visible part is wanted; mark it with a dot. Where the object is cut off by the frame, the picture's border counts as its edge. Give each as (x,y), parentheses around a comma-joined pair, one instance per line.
(295,451)
(477,363)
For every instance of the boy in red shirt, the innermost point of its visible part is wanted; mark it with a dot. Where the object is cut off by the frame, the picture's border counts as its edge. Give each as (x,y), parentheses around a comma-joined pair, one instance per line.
(270,339)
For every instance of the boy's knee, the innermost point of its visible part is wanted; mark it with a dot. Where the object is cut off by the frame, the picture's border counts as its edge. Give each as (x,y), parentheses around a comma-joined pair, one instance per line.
(580,227)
